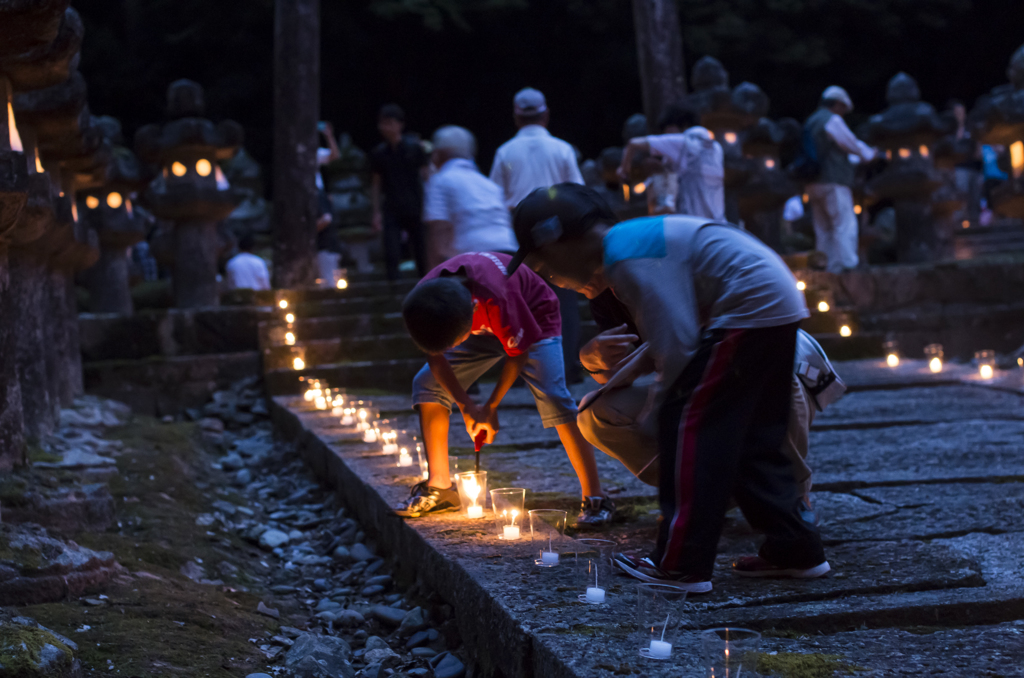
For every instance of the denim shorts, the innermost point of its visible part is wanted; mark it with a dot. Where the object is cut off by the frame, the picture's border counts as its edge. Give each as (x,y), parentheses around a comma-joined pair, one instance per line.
(544,373)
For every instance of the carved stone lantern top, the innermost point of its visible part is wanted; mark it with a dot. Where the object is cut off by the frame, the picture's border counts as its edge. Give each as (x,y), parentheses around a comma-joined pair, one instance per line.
(190,184)
(998,117)
(908,122)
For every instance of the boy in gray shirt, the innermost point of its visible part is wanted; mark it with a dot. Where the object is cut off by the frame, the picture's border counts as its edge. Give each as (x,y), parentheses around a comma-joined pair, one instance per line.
(719,313)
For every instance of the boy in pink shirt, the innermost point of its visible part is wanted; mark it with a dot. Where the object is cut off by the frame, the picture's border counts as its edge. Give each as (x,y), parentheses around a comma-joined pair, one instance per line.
(466,315)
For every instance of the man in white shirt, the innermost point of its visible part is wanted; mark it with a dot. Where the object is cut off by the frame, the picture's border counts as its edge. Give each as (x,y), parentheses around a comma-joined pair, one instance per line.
(245,270)
(464,211)
(529,160)
(830,195)
(695,157)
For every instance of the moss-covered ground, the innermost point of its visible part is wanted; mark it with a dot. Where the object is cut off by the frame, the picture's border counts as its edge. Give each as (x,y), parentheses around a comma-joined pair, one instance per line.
(157,622)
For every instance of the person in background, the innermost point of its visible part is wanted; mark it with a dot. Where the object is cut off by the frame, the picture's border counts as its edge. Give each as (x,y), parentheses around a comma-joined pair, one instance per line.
(531,159)
(830,195)
(691,152)
(245,270)
(398,168)
(463,210)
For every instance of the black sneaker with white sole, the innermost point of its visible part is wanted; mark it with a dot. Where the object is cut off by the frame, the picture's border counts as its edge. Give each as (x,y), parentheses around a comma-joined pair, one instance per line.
(645,570)
(756,566)
(595,512)
(424,500)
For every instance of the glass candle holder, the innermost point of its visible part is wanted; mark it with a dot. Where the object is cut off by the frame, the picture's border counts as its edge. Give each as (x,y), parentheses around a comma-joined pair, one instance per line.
(388,437)
(730,652)
(313,389)
(986,362)
(891,350)
(824,301)
(508,505)
(339,278)
(472,487)
(406,449)
(659,615)
(296,358)
(933,356)
(845,325)
(282,300)
(594,568)
(337,400)
(547,532)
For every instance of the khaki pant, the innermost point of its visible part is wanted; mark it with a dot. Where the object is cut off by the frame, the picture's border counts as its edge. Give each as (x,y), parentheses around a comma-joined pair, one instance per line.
(835,224)
(610,425)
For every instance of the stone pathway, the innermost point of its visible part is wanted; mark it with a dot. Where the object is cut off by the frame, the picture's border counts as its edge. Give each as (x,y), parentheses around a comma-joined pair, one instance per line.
(918,483)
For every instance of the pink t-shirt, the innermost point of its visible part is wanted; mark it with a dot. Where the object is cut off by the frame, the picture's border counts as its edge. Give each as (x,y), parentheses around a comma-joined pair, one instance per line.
(519,311)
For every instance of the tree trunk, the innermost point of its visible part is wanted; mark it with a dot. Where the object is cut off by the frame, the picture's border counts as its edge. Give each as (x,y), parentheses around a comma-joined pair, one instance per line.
(12,422)
(659,46)
(296,111)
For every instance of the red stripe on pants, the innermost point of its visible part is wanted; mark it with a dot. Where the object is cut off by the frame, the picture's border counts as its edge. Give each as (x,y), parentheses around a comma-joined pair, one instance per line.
(686,450)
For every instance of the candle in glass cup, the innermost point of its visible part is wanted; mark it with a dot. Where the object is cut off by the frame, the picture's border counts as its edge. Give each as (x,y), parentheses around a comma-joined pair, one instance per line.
(475,511)
(511,532)
(370,435)
(549,558)
(595,595)
(659,649)
(404,458)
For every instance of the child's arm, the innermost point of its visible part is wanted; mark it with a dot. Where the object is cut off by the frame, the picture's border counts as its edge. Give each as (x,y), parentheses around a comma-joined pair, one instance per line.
(442,371)
(485,417)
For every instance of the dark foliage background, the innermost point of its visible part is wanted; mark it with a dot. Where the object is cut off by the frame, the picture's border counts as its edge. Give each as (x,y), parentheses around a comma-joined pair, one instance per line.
(460,61)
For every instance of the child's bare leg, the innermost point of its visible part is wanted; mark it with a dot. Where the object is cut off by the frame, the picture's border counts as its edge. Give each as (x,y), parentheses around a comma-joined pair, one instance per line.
(581,456)
(434,419)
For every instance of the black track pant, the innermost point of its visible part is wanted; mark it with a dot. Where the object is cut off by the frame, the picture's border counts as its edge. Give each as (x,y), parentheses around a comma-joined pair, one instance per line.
(720,431)
(393,227)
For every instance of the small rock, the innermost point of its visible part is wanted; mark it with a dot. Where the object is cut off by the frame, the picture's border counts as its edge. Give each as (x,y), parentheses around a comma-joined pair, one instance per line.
(417,673)
(387,658)
(422,638)
(372,671)
(296,535)
(226,569)
(281,640)
(192,571)
(211,424)
(321,584)
(272,539)
(268,611)
(374,566)
(314,655)
(423,652)
(258,675)
(167,419)
(243,477)
(232,462)
(447,665)
(349,618)
(94,601)
(342,555)
(359,552)
(381,580)
(291,631)
(326,605)
(376,643)
(413,621)
(388,615)
(371,591)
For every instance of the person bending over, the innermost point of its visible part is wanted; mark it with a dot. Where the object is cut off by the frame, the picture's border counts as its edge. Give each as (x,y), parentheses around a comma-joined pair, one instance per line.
(719,312)
(466,315)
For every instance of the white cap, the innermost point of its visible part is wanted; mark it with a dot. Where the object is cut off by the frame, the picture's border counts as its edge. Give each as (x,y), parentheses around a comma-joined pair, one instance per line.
(529,101)
(837,93)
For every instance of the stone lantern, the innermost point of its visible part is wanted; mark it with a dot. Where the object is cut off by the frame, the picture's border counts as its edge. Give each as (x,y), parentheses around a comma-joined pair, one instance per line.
(907,131)
(998,119)
(190,189)
(108,211)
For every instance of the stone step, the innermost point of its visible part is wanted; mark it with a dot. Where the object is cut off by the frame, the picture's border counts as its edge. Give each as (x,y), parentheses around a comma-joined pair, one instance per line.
(981,241)
(324,352)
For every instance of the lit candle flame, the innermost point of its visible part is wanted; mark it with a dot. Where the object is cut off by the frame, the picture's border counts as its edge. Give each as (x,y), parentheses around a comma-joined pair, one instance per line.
(904,153)
(289,318)
(985,371)
(92,202)
(640,188)
(845,331)
(730,137)
(342,284)
(289,338)
(801,285)
(923,150)
(299,364)
(625,192)
(472,489)
(892,360)
(1017,158)
(935,365)
(13,137)
(203,167)
(178,170)
(114,200)
(823,306)
(283,304)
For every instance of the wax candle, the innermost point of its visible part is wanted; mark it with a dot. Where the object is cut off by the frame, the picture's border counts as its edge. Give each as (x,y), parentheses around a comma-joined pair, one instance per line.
(404,458)
(475,511)
(985,371)
(348,420)
(595,594)
(511,532)
(370,435)
(660,649)
(549,558)
(392,448)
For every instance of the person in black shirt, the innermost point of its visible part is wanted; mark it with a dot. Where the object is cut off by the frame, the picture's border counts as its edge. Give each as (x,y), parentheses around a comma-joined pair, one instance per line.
(397,167)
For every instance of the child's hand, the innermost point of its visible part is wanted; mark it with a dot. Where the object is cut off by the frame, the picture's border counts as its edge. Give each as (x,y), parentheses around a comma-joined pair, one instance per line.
(481,418)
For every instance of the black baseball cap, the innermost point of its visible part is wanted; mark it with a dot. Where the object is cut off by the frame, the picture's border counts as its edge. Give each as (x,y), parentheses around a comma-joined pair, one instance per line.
(549,214)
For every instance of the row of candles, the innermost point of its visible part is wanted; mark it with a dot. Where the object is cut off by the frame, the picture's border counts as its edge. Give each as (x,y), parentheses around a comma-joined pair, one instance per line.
(660,608)
(934,356)
(339,280)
